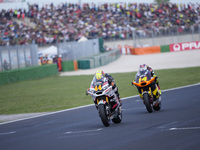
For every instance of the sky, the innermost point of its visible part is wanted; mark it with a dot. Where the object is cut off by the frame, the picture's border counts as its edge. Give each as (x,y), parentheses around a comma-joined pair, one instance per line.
(20,4)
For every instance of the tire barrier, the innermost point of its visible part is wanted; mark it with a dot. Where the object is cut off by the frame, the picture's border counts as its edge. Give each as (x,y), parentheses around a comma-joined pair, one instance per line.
(28,73)
(99,60)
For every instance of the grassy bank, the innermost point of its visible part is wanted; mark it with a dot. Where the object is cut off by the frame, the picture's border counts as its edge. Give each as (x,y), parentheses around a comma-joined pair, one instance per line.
(57,93)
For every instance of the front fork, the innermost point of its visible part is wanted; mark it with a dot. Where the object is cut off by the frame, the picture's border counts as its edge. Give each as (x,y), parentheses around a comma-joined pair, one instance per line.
(105,103)
(149,93)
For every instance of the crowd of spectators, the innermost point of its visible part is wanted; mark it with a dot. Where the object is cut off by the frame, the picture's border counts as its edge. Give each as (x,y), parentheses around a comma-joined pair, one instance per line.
(111,21)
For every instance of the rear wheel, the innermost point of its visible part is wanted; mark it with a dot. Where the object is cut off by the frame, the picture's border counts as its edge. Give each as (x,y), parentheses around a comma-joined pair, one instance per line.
(118,117)
(147,103)
(157,106)
(103,115)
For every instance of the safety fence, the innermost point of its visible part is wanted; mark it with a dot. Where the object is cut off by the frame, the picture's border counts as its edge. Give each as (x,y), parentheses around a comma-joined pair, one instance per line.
(98,60)
(76,50)
(18,56)
(22,56)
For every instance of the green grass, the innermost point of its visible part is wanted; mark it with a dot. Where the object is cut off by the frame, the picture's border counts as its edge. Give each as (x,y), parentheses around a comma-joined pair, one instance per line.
(57,93)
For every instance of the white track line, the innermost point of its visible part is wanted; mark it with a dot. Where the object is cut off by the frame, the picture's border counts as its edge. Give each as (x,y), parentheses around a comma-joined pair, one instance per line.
(186,128)
(84,131)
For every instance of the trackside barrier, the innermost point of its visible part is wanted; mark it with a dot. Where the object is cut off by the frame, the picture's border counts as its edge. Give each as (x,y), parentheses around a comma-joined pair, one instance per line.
(75,65)
(97,61)
(69,65)
(164,48)
(85,63)
(145,50)
(126,49)
(27,73)
(175,47)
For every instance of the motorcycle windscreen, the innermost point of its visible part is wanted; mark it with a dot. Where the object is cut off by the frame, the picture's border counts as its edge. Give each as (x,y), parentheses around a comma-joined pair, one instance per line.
(143,76)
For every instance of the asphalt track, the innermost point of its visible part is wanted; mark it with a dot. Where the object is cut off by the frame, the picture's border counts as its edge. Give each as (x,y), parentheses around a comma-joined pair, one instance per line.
(176,126)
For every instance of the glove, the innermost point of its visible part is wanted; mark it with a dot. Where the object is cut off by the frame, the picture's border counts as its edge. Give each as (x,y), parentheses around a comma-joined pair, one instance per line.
(155,77)
(86,93)
(113,85)
(109,81)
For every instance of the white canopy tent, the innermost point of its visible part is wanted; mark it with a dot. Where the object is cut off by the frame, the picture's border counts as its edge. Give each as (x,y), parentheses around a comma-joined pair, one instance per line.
(50,51)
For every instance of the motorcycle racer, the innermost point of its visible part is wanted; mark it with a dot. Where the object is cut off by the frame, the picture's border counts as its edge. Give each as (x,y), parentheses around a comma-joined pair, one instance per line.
(99,76)
(143,68)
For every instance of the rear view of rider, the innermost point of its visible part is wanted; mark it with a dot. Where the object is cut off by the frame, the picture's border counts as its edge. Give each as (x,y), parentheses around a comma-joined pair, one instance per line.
(156,93)
(100,75)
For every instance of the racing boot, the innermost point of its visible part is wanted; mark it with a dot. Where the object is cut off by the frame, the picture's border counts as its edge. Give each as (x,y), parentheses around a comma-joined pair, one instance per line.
(159,92)
(159,89)
(158,86)
(120,102)
(115,88)
(156,96)
(159,99)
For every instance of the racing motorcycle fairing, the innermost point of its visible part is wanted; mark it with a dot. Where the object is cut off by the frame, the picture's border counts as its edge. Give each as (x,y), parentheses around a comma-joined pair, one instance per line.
(105,100)
(144,81)
(143,78)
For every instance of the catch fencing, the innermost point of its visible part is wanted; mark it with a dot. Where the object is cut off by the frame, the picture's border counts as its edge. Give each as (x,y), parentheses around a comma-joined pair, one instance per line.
(18,56)
(147,38)
(77,50)
(165,36)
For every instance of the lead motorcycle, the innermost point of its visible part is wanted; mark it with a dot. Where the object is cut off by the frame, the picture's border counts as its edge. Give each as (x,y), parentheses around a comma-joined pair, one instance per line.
(143,81)
(104,97)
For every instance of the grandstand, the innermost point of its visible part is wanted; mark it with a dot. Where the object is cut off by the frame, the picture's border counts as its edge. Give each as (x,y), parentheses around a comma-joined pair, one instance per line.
(49,24)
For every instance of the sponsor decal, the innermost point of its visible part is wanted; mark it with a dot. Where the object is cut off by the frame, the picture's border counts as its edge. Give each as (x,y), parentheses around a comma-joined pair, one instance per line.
(184,46)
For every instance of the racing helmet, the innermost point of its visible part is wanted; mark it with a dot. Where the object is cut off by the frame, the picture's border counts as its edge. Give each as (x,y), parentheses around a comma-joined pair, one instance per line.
(99,74)
(142,69)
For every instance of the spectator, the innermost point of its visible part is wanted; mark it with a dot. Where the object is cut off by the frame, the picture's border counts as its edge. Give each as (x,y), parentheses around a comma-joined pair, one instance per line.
(59,63)
(5,65)
(55,60)
(111,21)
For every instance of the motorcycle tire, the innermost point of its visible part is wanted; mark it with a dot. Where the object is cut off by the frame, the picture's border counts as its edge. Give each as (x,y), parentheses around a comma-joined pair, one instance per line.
(156,108)
(118,117)
(147,103)
(103,115)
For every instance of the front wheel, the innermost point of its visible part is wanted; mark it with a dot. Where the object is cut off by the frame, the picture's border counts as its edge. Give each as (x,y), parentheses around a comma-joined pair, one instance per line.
(104,115)
(147,103)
